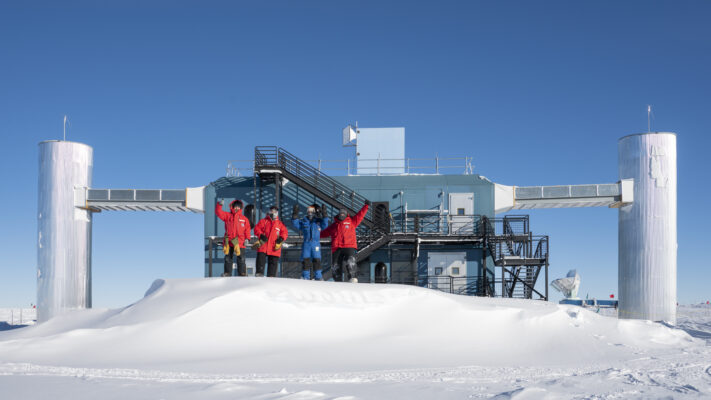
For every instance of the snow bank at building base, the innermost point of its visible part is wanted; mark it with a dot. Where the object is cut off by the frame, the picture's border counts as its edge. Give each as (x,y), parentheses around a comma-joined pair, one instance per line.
(268,326)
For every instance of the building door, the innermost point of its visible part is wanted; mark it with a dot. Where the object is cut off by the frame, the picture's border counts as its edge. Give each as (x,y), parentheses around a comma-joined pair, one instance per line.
(461,211)
(447,271)
(402,267)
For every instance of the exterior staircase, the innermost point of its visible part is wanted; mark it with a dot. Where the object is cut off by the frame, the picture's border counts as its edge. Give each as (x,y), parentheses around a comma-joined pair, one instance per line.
(517,252)
(271,161)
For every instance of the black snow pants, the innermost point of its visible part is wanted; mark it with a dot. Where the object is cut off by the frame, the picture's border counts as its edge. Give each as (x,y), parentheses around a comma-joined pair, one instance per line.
(273,261)
(241,266)
(339,263)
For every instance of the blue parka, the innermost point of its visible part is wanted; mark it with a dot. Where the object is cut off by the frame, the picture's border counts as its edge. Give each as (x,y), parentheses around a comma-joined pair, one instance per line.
(311,231)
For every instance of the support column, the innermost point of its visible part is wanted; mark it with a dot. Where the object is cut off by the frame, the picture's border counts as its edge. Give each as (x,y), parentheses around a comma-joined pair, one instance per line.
(64,230)
(647,233)
(277,193)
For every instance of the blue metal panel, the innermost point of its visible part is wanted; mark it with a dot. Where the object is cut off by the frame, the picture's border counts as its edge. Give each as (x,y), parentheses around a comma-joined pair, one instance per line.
(423,191)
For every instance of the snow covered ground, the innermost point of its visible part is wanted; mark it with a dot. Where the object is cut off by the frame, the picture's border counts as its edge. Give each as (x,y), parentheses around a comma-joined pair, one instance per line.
(258,338)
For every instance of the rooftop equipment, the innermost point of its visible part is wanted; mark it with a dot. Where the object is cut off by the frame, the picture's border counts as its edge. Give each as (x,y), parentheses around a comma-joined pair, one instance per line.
(379,151)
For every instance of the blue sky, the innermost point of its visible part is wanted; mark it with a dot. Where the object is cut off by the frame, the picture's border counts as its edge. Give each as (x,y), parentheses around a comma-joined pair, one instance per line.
(166,92)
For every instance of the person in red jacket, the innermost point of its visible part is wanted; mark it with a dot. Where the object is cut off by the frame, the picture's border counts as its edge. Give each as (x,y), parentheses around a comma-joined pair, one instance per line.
(344,243)
(237,230)
(271,233)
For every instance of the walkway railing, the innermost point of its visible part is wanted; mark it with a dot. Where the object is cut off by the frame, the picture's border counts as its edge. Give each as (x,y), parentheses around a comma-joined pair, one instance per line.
(378,167)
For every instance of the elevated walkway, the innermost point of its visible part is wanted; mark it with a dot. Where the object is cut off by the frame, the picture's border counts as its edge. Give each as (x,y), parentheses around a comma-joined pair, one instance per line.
(564,196)
(97,200)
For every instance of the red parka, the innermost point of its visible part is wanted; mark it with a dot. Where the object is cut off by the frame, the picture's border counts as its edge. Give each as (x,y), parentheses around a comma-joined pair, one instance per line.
(236,224)
(272,229)
(343,233)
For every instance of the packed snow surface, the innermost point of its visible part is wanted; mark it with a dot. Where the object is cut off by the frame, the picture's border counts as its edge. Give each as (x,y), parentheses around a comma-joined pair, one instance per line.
(283,338)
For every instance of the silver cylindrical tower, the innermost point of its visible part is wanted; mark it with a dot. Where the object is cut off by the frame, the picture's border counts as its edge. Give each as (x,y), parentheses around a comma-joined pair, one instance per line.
(64,230)
(647,228)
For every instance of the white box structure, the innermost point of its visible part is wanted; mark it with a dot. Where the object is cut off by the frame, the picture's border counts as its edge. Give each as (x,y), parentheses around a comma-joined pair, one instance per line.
(380,151)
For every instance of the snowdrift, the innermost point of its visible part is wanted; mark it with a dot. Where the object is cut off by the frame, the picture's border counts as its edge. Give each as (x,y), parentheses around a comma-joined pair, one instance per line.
(259,325)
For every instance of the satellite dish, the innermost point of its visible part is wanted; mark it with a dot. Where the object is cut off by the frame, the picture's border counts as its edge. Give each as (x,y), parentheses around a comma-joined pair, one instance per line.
(569,285)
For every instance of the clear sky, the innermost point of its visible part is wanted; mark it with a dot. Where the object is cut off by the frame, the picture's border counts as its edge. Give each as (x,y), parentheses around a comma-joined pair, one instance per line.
(166,92)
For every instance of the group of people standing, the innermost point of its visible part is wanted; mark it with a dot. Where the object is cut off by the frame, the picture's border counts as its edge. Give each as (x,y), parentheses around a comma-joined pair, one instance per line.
(270,233)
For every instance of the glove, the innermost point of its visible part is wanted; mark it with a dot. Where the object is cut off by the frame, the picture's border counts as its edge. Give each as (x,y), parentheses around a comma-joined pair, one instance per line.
(323,210)
(295,214)
(257,244)
(279,241)
(367,202)
(226,246)
(263,238)
(235,244)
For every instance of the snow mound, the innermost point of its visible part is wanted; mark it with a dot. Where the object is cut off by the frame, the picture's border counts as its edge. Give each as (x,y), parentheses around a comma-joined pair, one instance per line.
(257,325)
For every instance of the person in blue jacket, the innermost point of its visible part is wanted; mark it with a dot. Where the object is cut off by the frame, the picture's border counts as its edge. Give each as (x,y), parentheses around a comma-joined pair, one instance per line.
(310,227)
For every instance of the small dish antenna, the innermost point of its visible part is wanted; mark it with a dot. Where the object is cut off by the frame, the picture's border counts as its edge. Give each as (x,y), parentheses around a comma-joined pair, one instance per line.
(569,285)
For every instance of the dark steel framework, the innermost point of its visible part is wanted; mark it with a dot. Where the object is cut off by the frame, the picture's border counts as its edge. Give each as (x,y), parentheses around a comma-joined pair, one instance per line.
(507,242)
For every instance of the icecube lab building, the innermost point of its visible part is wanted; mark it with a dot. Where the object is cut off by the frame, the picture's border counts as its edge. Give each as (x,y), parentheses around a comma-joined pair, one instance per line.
(426,227)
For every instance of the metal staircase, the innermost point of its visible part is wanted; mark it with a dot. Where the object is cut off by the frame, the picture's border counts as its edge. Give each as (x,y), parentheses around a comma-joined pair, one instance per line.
(271,162)
(518,253)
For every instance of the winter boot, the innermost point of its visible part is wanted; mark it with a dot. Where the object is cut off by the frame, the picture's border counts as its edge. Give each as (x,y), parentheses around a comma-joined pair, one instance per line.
(352,269)
(306,274)
(317,275)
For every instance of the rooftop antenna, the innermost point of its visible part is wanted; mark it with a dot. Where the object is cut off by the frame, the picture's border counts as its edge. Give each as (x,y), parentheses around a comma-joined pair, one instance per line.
(649,114)
(66,120)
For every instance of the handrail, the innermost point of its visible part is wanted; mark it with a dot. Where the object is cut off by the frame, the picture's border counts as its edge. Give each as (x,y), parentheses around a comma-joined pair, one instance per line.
(273,156)
(373,166)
